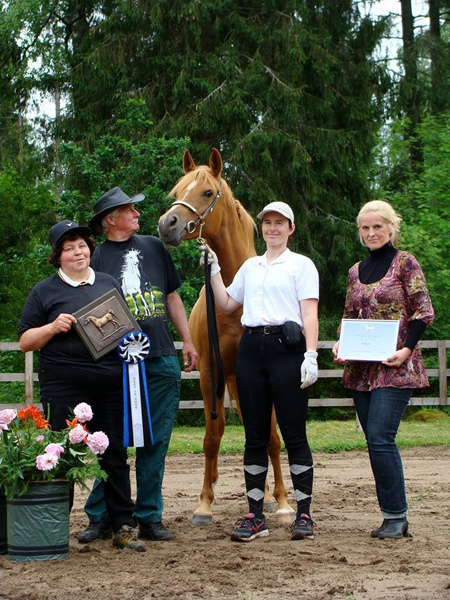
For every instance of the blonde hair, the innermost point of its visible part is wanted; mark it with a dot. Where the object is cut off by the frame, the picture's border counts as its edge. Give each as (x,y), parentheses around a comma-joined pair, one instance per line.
(386,212)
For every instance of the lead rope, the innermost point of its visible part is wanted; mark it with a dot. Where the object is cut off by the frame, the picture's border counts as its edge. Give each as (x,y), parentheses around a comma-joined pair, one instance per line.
(217,391)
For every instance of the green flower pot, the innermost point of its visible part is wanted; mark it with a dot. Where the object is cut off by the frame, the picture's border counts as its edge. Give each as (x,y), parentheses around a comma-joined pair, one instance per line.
(3,545)
(38,522)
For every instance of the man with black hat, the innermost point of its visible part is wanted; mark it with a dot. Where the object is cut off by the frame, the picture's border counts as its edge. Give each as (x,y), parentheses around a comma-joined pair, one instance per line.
(149,281)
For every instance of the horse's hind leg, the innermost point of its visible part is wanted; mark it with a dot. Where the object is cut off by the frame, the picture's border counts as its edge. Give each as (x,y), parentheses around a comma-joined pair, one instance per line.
(284,510)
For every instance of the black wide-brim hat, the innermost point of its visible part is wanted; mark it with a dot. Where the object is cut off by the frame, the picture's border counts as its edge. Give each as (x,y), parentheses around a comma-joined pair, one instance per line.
(64,227)
(107,203)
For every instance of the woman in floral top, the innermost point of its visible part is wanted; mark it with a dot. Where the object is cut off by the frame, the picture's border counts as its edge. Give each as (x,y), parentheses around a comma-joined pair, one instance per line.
(388,284)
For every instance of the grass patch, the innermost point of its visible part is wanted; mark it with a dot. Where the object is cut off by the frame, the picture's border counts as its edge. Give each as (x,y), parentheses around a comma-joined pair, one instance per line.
(324,436)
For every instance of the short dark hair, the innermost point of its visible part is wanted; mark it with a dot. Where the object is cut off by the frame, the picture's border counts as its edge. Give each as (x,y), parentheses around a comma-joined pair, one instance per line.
(57,248)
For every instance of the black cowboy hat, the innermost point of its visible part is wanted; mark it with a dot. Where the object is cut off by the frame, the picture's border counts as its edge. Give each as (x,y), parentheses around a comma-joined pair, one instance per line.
(66,226)
(107,203)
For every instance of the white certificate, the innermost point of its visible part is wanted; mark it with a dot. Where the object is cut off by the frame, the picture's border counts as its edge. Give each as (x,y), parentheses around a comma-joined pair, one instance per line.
(368,339)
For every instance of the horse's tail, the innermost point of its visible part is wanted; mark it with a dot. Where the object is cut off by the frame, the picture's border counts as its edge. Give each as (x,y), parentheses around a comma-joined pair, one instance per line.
(233,395)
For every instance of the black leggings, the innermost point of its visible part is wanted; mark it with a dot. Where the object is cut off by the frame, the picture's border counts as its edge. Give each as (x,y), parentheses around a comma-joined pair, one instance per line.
(268,374)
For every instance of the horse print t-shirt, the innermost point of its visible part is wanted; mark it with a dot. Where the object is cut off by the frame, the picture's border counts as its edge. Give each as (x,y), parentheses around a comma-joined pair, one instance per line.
(145,270)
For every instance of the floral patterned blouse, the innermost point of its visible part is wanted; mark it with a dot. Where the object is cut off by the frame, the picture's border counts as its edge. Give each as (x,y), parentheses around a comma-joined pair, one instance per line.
(401,294)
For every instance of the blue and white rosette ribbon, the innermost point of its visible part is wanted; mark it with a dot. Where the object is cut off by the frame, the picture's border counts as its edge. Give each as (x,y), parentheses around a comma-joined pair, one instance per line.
(133,348)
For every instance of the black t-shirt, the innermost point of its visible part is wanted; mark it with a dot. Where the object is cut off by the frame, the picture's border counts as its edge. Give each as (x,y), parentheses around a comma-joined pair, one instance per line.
(145,270)
(53,296)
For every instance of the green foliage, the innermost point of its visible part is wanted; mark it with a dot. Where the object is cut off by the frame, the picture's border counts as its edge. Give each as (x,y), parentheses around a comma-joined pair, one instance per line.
(423,201)
(289,92)
(28,209)
(131,157)
(290,96)
(427,414)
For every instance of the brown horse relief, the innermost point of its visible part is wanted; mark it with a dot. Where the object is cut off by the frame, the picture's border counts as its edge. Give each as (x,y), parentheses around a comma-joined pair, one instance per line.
(102,323)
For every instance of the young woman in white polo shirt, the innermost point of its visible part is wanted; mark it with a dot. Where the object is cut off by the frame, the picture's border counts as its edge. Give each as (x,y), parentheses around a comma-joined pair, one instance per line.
(277,361)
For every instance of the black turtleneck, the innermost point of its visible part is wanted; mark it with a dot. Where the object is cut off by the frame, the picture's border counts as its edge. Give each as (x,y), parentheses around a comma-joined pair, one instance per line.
(376,265)
(372,269)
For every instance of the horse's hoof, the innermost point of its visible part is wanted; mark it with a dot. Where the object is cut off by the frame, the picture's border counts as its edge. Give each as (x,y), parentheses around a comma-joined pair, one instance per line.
(270,506)
(285,515)
(202,520)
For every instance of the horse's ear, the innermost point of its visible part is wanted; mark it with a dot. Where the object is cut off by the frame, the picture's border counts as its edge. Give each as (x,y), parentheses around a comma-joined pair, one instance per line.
(215,162)
(188,162)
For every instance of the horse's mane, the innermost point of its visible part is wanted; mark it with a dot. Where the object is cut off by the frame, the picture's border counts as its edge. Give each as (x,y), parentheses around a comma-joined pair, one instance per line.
(203,174)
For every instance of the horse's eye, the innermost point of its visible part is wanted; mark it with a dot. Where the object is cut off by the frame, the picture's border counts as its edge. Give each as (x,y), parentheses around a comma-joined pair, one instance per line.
(208,193)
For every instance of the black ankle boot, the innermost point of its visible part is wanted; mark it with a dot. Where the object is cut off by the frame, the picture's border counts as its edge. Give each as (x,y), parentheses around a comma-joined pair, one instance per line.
(393,528)
(376,532)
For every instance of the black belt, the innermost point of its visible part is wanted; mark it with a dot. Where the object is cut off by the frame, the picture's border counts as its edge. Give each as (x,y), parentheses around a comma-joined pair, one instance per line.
(266,329)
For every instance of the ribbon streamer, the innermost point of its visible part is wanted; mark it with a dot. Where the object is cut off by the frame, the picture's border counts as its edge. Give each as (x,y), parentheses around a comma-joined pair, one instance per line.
(133,348)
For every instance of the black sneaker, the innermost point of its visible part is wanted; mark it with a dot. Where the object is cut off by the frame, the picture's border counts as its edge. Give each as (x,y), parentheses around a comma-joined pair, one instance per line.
(303,528)
(155,531)
(98,530)
(250,527)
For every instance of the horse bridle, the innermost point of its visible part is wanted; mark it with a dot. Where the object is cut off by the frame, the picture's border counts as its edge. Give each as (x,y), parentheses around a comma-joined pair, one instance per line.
(215,359)
(192,225)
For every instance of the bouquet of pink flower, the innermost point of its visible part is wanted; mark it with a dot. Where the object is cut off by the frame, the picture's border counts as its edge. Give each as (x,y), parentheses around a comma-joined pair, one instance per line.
(31,451)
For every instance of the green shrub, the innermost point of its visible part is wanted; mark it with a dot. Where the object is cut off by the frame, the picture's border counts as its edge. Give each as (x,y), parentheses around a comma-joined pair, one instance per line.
(428,414)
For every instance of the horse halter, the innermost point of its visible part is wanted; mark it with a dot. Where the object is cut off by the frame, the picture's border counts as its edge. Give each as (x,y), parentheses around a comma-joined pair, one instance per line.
(192,225)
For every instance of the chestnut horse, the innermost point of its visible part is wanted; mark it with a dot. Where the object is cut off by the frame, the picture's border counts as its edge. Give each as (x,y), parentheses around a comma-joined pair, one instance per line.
(205,208)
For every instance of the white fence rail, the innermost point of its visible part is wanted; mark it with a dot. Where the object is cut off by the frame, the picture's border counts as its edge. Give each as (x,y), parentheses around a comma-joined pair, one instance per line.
(442,373)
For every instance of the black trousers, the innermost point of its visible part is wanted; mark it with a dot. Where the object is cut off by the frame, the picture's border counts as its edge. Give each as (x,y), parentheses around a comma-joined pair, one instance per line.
(63,388)
(268,375)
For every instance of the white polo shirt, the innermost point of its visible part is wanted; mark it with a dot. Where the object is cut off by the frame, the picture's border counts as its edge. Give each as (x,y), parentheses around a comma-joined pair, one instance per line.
(271,294)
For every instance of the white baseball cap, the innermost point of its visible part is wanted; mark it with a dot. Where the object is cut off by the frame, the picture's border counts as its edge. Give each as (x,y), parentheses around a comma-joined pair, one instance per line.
(279,207)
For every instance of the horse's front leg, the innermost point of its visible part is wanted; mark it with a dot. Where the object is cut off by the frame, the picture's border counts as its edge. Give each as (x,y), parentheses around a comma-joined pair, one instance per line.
(211,444)
(284,510)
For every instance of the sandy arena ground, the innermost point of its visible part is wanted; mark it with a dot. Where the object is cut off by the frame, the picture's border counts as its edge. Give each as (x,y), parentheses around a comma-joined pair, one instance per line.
(202,563)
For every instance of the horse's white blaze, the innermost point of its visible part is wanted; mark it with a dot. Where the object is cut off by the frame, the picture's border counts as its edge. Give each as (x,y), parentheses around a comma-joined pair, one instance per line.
(189,188)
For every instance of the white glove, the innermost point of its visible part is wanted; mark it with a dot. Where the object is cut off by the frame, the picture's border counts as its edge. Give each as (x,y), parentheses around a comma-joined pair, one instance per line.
(309,369)
(212,260)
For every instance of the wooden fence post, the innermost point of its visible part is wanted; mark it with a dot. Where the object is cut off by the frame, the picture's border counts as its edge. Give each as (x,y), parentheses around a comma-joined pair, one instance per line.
(442,355)
(29,377)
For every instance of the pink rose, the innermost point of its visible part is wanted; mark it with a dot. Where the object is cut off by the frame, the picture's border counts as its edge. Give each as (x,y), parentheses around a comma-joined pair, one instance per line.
(39,438)
(54,449)
(77,435)
(97,442)
(6,416)
(46,462)
(83,412)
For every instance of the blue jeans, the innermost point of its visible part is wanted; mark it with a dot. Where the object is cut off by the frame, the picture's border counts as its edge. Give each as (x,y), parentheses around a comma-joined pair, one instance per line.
(163,381)
(380,413)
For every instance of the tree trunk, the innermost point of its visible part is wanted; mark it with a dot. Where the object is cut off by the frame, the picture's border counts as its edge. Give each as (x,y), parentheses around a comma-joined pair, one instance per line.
(438,95)
(410,96)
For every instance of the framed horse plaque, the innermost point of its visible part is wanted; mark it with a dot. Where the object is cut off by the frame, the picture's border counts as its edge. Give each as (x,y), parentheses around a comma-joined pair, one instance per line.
(102,323)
